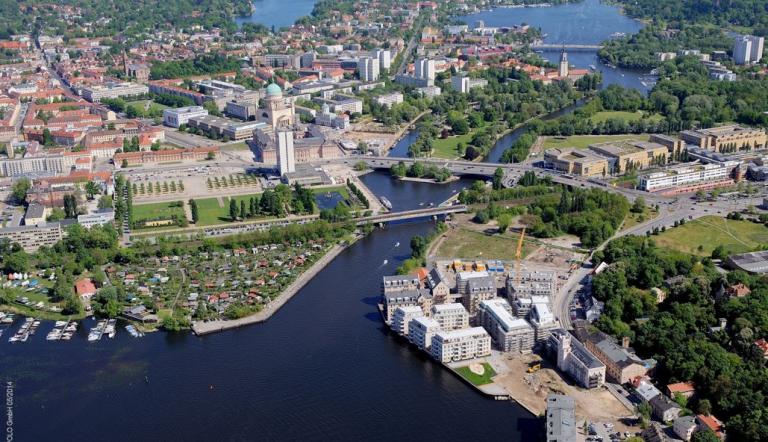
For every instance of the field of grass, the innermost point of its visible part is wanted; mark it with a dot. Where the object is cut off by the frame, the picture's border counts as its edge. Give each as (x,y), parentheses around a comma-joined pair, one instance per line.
(209,212)
(341,190)
(475,379)
(140,105)
(623,115)
(446,147)
(236,146)
(634,219)
(469,244)
(156,210)
(701,236)
(583,141)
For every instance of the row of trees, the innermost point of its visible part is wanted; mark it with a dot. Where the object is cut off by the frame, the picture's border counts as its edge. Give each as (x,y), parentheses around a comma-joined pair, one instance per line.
(419,170)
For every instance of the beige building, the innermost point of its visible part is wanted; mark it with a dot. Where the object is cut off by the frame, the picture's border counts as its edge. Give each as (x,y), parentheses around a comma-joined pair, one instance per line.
(631,154)
(450,316)
(580,162)
(32,237)
(730,138)
(421,330)
(460,345)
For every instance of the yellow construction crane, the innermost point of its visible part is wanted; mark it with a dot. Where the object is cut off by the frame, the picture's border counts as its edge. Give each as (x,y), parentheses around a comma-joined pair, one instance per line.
(518,255)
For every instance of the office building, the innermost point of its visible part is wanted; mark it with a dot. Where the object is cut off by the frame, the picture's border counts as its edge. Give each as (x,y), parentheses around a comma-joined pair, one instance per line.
(31,238)
(113,89)
(451,316)
(460,345)
(402,316)
(726,139)
(574,358)
(368,69)
(561,418)
(286,159)
(421,330)
(581,162)
(621,365)
(464,84)
(177,117)
(98,218)
(629,155)
(686,178)
(508,333)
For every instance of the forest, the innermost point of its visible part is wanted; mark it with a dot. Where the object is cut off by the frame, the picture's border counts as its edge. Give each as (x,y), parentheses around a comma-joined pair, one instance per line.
(682,333)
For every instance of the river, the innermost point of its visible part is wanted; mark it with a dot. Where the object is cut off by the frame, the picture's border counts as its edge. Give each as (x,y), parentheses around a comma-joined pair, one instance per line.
(277,13)
(323,368)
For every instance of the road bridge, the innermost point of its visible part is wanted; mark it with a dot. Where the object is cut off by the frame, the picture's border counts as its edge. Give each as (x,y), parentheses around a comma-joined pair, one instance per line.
(411,214)
(567,47)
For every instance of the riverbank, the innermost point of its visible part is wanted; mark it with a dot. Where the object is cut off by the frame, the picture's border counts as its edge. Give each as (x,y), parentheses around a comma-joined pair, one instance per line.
(204,328)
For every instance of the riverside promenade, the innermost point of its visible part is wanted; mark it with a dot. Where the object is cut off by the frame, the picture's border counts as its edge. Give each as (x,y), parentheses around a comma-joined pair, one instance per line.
(203,328)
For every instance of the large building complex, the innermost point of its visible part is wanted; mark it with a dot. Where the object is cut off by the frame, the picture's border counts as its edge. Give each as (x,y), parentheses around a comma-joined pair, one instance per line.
(574,161)
(531,283)
(508,333)
(460,345)
(748,49)
(368,68)
(177,117)
(621,365)
(421,330)
(451,316)
(464,84)
(95,93)
(726,138)
(402,317)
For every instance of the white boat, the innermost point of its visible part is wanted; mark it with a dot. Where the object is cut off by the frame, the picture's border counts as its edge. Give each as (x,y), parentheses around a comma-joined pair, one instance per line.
(110,328)
(385,262)
(385,202)
(397,244)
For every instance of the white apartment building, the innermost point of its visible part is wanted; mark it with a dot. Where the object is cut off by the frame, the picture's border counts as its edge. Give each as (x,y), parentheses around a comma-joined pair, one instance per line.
(421,330)
(31,238)
(450,316)
(748,49)
(683,176)
(385,58)
(508,333)
(425,69)
(402,316)
(543,321)
(430,91)
(389,100)
(460,345)
(368,68)
(531,283)
(177,117)
(42,164)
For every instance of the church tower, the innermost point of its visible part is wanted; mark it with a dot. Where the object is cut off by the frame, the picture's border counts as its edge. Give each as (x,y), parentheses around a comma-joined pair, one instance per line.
(563,71)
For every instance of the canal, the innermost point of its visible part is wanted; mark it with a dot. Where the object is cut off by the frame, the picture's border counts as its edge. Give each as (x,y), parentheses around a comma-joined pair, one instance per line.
(323,368)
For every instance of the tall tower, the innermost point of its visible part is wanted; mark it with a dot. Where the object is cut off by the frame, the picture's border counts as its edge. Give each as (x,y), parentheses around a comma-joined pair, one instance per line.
(286,159)
(563,71)
(279,115)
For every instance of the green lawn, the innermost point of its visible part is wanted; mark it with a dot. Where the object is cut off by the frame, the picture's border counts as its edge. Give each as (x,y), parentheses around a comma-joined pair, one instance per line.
(583,141)
(623,115)
(701,236)
(475,379)
(341,190)
(209,211)
(236,146)
(156,210)
(446,147)
(634,219)
(469,244)
(141,105)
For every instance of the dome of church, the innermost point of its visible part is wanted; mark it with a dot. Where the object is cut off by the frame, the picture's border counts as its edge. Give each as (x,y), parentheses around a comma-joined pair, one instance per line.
(274,90)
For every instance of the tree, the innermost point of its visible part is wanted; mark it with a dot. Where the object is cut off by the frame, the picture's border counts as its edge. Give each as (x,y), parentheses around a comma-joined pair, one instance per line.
(639,205)
(20,189)
(498,176)
(418,246)
(233,210)
(124,164)
(704,407)
(504,221)
(705,436)
(243,212)
(91,189)
(193,209)
(16,262)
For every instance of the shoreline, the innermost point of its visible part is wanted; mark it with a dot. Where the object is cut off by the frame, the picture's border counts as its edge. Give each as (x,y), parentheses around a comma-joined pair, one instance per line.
(205,328)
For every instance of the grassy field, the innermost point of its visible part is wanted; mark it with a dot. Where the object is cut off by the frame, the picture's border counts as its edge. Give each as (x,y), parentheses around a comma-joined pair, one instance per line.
(341,190)
(623,115)
(469,244)
(446,147)
(475,379)
(236,146)
(583,141)
(156,210)
(701,236)
(140,105)
(634,219)
(210,212)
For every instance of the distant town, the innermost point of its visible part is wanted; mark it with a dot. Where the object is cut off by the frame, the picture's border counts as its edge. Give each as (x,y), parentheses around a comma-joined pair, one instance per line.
(595,209)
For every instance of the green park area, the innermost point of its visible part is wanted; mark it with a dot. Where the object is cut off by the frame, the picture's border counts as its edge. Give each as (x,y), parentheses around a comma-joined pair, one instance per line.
(634,219)
(146,108)
(157,211)
(478,379)
(701,236)
(470,244)
(603,116)
(583,141)
(242,145)
(446,147)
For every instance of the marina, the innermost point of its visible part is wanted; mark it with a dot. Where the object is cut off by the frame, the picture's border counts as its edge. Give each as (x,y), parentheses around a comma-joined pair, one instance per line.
(97,331)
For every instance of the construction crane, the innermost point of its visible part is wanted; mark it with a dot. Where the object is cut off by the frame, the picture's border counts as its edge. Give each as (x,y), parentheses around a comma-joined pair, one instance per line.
(518,255)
